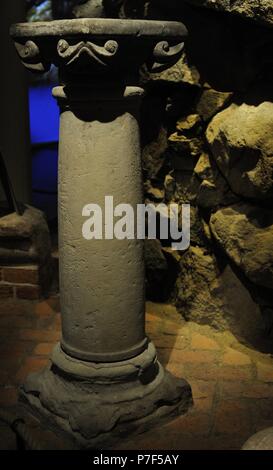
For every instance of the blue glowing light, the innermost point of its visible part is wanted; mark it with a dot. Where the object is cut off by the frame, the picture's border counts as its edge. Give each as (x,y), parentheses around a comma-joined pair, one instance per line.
(44,115)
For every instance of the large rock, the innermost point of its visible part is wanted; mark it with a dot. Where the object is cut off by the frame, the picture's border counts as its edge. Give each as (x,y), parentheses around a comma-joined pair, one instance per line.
(228,52)
(89,9)
(213,190)
(170,187)
(178,74)
(241,140)
(186,144)
(208,293)
(154,155)
(245,232)
(258,10)
(212,102)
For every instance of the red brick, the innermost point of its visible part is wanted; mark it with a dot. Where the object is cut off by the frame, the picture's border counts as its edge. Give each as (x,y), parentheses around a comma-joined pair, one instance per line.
(163,355)
(28,292)
(200,371)
(235,358)
(232,417)
(15,322)
(30,365)
(211,372)
(176,369)
(256,390)
(203,342)
(8,396)
(179,356)
(231,389)
(228,441)
(246,390)
(171,328)
(147,441)
(21,274)
(164,341)
(16,348)
(43,309)
(157,440)
(13,308)
(54,303)
(265,372)
(57,322)
(262,409)
(192,422)
(152,329)
(183,337)
(261,424)
(43,349)
(4,378)
(150,317)
(6,291)
(42,336)
(193,357)
(9,369)
(203,394)
(235,373)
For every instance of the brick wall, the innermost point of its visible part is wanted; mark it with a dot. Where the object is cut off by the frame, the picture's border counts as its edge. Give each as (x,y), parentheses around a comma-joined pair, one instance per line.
(21,282)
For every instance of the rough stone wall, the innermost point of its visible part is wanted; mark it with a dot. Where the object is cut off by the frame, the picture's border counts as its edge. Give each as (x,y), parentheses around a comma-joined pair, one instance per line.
(208,140)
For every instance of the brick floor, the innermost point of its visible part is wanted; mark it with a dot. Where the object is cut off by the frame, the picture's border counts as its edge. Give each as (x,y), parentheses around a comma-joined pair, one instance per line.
(232,382)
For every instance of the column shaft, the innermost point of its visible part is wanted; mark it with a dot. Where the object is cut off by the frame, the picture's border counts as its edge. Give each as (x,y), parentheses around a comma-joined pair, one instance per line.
(101,281)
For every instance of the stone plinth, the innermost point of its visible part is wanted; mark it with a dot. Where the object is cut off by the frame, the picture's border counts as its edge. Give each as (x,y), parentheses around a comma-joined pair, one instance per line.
(104,379)
(26,265)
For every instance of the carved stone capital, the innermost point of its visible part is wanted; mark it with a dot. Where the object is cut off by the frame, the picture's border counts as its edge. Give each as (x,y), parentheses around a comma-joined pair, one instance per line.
(93,46)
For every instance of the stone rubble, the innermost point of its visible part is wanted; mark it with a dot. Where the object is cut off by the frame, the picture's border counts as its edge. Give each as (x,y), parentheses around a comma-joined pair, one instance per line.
(216,153)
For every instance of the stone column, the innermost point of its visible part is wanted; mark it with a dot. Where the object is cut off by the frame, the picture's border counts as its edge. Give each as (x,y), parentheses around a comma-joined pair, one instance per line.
(101,281)
(14,129)
(104,378)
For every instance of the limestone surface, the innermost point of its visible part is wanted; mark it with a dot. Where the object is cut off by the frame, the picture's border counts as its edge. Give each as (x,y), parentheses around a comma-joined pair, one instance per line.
(211,293)
(241,140)
(245,232)
(213,190)
(258,10)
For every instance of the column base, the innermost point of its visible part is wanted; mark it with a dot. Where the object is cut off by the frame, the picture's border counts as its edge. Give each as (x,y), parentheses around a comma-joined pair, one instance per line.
(95,404)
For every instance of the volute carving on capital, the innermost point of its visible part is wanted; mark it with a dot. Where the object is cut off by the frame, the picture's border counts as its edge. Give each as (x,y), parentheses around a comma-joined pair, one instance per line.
(100,54)
(31,57)
(165,55)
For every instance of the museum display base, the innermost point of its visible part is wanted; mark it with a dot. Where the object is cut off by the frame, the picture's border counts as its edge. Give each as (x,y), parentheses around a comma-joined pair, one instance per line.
(96,405)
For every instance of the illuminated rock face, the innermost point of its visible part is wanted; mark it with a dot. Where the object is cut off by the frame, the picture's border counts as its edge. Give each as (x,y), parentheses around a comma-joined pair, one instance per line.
(258,10)
(104,375)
